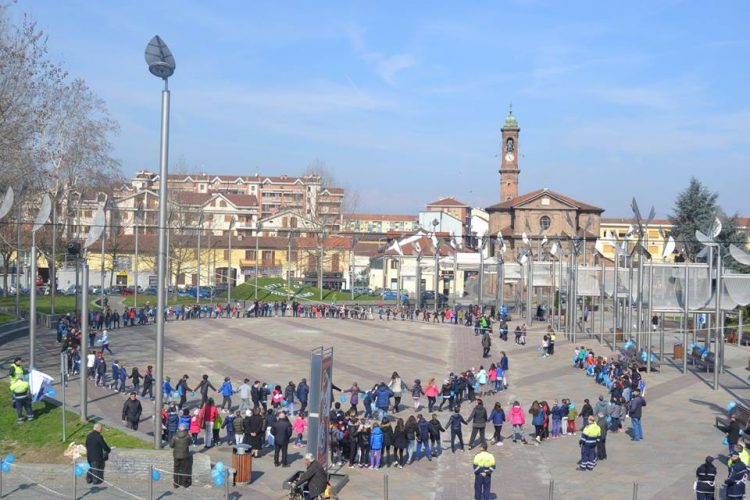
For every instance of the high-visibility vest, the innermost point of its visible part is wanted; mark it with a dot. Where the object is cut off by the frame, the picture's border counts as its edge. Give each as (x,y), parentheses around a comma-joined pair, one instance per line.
(17,372)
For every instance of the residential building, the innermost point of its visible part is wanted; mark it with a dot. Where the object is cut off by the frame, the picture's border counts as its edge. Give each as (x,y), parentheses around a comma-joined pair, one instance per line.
(380,223)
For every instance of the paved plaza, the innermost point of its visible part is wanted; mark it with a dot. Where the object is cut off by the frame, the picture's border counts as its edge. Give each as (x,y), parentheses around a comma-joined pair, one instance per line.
(678,420)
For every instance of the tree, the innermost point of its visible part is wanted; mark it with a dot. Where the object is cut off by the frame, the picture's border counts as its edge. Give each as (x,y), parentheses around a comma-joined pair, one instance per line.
(696,208)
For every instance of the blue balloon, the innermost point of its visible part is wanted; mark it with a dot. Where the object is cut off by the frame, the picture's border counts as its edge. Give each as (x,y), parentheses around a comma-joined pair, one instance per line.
(219,480)
(342,398)
(219,466)
(725,441)
(85,466)
(9,459)
(6,467)
(285,403)
(78,470)
(215,473)
(731,406)
(155,475)
(51,393)
(175,395)
(192,394)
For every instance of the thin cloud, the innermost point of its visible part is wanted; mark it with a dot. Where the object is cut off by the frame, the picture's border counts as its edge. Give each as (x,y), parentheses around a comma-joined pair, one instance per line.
(386,67)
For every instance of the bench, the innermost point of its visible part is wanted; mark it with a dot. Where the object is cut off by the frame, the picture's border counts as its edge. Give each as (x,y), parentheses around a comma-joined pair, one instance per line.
(741,413)
(698,359)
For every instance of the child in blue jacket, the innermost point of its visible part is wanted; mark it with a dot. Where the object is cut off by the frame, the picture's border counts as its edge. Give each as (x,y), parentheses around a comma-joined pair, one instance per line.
(497,417)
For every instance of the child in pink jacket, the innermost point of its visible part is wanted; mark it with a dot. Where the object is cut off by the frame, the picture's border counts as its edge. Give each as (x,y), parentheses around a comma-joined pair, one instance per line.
(517,419)
(195,426)
(298,426)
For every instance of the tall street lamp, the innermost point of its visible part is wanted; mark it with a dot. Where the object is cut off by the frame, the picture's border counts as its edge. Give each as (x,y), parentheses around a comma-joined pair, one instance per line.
(258,227)
(137,220)
(198,285)
(41,220)
(229,265)
(161,64)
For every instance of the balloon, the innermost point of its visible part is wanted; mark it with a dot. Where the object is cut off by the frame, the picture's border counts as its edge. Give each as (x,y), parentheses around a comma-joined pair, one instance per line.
(6,468)
(155,475)
(725,442)
(9,459)
(219,480)
(192,394)
(219,466)
(175,395)
(285,403)
(51,393)
(215,473)
(342,398)
(85,466)
(731,406)
(78,470)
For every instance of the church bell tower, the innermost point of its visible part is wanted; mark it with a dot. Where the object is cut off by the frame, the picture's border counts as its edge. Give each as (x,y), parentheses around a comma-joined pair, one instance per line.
(509,162)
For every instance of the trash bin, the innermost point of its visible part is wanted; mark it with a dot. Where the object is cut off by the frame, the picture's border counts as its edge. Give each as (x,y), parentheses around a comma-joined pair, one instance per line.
(242,463)
(678,351)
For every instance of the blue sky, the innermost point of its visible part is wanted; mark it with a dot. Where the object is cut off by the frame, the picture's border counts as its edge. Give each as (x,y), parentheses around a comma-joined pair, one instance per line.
(403,101)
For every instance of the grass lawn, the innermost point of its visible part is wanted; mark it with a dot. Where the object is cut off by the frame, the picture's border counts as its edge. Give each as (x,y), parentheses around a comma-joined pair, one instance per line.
(41,440)
(7,318)
(63,303)
(276,289)
(129,300)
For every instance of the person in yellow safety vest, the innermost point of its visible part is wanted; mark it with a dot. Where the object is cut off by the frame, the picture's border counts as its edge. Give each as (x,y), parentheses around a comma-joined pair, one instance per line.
(16,370)
(589,438)
(21,398)
(484,466)
(743,454)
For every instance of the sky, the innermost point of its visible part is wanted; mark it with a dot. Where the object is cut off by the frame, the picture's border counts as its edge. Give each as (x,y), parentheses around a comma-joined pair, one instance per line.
(403,101)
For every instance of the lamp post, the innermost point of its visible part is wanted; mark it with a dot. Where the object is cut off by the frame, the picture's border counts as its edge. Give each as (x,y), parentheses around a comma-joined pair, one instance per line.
(198,285)
(229,265)
(436,252)
(41,220)
(161,64)
(320,264)
(137,218)
(500,262)
(104,239)
(258,227)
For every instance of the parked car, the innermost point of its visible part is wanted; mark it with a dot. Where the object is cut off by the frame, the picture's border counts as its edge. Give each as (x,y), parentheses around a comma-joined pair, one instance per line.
(126,292)
(429,295)
(193,292)
(71,290)
(392,295)
(150,291)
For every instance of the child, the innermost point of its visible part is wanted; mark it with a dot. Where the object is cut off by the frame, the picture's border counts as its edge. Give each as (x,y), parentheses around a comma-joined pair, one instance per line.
(416,394)
(557,414)
(216,429)
(368,404)
(572,414)
(299,425)
(195,426)
(334,443)
(277,397)
(435,429)
(228,424)
(184,419)
(167,390)
(564,409)
(239,430)
(363,441)
(497,417)
(376,446)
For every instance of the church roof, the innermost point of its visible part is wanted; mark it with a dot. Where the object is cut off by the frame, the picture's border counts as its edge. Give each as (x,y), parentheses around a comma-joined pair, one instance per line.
(525,198)
(510,121)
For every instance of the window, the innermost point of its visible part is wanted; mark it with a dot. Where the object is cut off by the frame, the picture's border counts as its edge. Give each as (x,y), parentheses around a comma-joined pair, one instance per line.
(227,218)
(394,264)
(267,257)
(544,222)
(250,254)
(293,222)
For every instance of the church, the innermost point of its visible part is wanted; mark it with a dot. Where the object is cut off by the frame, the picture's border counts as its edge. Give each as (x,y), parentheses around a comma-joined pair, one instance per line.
(540,213)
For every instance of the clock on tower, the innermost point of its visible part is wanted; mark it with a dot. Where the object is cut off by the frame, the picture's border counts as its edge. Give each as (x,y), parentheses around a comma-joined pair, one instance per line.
(509,162)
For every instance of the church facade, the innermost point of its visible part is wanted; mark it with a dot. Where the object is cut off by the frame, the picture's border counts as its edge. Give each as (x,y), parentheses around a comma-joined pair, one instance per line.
(540,214)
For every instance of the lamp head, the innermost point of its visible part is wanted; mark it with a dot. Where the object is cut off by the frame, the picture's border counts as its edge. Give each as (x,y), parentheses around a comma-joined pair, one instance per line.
(159,58)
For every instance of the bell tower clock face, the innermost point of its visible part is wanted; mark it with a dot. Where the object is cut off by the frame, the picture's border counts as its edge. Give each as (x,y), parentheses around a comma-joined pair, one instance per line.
(509,157)
(510,149)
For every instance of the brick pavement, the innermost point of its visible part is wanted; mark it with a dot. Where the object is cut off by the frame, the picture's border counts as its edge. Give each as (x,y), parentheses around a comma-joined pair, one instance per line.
(369,351)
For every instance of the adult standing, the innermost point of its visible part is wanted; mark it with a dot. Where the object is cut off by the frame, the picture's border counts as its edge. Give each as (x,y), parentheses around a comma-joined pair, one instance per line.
(97,453)
(182,390)
(601,446)
(484,466)
(17,370)
(207,417)
(131,411)
(282,432)
(733,434)
(255,431)
(705,484)
(635,410)
(148,382)
(303,394)
(21,394)
(589,438)
(204,386)
(478,419)
(486,344)
(397,386)
(183,458)
(735,483)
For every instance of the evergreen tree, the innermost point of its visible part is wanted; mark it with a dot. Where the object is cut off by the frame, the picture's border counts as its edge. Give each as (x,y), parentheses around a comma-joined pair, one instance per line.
(696,208)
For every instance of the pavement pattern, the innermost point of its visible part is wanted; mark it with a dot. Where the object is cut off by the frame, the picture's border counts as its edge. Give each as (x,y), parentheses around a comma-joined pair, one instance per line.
(677,421)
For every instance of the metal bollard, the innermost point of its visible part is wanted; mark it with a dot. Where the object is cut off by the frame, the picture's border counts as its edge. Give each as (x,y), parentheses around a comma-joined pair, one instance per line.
(151,482)
(551,490)
(385,487)
(1,482)
(75,484)
(226,484)
(635,491)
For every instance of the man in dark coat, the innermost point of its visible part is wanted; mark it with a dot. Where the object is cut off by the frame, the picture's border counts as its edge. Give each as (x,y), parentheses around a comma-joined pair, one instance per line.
(486,344)
(478,418)
(303,392)
(315,477)
(131,411)
(282,432)
(705,475)
(96,449)
(183,459)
